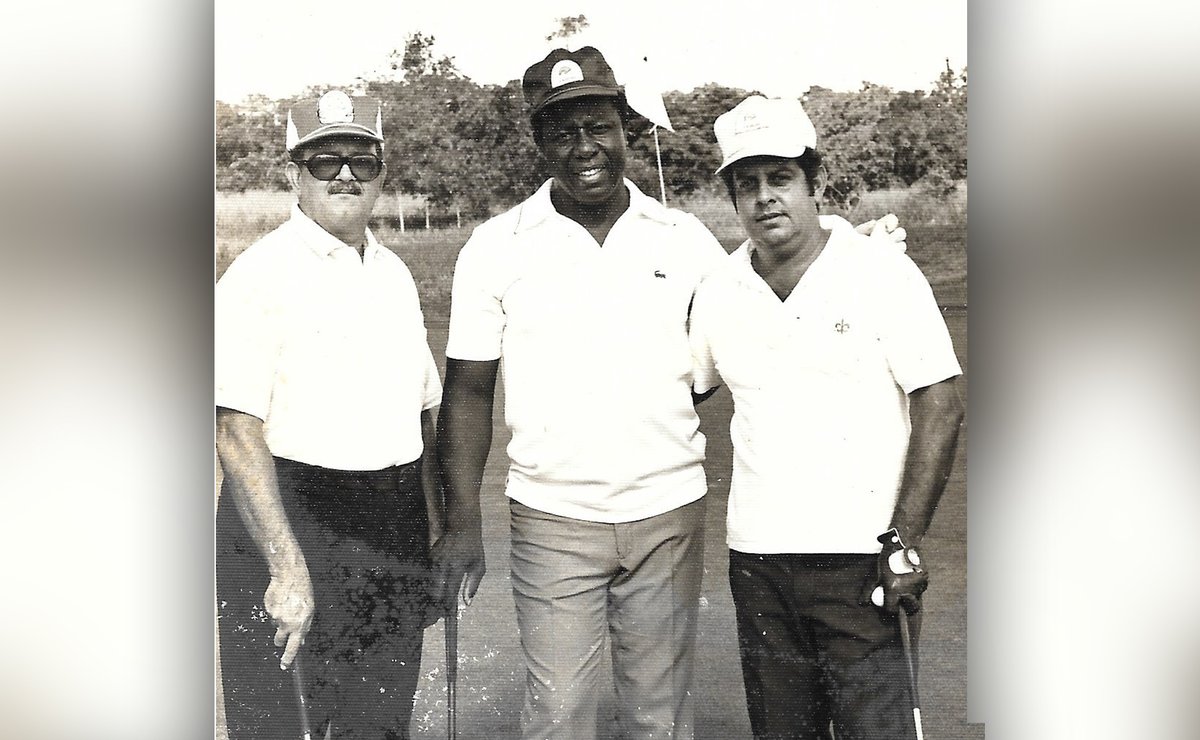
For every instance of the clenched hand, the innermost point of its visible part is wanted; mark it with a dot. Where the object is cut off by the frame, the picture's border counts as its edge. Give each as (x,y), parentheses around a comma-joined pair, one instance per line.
(289,601)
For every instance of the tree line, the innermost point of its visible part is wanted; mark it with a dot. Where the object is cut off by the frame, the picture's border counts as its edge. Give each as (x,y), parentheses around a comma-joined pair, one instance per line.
(468,146)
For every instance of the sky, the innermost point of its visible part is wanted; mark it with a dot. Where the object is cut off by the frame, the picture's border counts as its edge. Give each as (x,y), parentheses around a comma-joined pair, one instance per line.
(279,47)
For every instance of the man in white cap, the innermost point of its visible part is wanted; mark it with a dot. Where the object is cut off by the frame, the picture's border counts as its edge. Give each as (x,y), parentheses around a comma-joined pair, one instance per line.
(325,387)
(846,418)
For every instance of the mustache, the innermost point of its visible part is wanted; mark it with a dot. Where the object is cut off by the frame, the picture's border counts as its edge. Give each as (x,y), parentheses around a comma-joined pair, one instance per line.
(345,186)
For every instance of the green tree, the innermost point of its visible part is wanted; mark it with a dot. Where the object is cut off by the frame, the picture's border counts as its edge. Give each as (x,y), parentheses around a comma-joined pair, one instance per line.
(849,139)
(469,146)
(906,132)
(459,144)
(690,154)
(417,59)
(947,114)
(249,147)
(568,26)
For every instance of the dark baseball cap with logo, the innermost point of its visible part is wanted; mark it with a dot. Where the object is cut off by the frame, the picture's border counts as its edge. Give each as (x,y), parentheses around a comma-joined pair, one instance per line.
(564,75)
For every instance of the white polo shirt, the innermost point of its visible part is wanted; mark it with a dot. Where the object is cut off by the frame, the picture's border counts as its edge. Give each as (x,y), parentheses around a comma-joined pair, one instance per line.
(594,353)
(327,348)
(820,381)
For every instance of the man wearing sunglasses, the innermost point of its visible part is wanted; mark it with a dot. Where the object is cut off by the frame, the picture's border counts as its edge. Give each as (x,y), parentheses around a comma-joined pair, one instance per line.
(325,387)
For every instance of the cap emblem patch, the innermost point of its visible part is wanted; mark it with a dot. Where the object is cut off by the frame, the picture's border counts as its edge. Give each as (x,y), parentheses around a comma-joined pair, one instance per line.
(564,72)
(335,106)
(748,122)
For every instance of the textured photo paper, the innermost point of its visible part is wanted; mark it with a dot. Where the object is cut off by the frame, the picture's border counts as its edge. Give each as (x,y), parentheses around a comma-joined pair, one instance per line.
(886,89)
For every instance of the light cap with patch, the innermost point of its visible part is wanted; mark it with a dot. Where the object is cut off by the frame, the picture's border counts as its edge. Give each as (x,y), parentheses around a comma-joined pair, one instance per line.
(758,126)
(334,114)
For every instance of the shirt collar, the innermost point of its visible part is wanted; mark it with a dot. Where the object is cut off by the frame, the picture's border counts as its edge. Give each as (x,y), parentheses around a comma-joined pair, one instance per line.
(830,223)
(835,225)
(321,241)
(538,207)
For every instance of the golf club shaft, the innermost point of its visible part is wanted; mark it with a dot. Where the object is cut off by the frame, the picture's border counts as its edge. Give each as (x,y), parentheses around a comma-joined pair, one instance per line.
(906,644)
(301,702)
(452,672)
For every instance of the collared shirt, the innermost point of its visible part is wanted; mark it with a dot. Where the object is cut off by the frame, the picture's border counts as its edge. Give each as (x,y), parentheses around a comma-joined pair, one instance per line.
(593,346)
(327,348)
(820,381)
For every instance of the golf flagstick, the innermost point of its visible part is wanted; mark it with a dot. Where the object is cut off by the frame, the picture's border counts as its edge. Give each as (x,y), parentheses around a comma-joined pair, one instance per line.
(906,644)
(662,188)
(644,95)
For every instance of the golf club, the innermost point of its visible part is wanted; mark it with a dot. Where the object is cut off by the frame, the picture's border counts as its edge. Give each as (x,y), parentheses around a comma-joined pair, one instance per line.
(452,671)
(906,644)
(302,703)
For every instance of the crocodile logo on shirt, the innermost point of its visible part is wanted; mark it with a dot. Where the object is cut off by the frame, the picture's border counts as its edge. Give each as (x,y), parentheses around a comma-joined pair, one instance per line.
(660,274)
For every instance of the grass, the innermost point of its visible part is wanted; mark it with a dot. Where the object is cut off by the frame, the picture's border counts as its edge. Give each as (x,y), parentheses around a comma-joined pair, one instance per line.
(430,256)
(243,218)
(936,234)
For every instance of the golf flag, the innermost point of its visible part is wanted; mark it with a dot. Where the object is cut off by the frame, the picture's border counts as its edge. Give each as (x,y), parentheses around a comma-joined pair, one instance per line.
(644,93)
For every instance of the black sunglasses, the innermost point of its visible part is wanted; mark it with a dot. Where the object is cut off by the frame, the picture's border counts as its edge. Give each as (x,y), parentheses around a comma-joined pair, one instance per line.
(364,167)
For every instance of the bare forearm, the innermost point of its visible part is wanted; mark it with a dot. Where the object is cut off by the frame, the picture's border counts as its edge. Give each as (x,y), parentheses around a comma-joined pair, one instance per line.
(936,413)
(431,479)
(248,465)
(465,437)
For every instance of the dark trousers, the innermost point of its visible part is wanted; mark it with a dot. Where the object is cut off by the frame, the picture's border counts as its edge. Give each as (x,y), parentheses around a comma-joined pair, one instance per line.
(812,656)
(365,538)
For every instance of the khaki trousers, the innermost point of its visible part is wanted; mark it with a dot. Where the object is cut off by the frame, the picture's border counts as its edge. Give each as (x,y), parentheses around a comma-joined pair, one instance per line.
(636,585)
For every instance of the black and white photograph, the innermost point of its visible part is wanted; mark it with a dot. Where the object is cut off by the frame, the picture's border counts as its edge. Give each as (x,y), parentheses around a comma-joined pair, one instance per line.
(599,370)
(591,371)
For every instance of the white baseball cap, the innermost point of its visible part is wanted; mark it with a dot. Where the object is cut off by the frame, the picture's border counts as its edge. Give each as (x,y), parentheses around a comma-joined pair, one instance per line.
(758,126)
(334,114)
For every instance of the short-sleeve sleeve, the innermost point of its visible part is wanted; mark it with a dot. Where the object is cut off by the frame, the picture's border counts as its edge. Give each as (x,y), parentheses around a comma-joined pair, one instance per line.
(700,326)
(433,382)
(710,256)
(917,343)
(476,314)
(247,341)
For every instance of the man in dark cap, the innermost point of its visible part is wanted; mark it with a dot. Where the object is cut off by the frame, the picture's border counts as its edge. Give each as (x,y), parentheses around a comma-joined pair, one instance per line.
(582,291)
(325,387)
